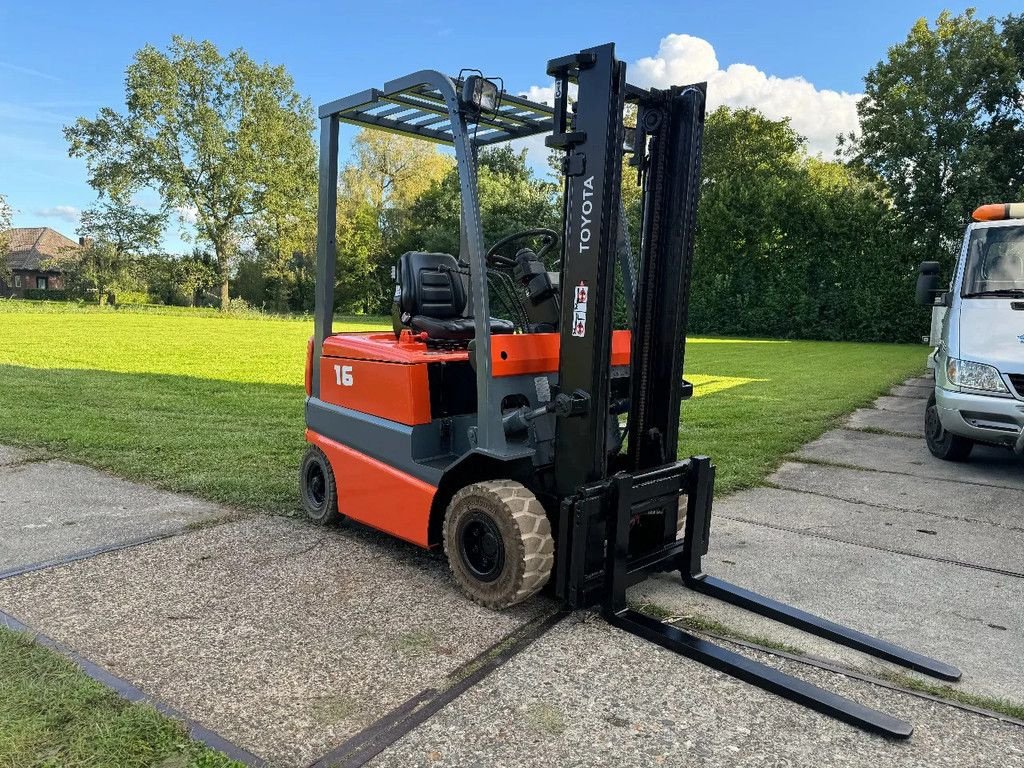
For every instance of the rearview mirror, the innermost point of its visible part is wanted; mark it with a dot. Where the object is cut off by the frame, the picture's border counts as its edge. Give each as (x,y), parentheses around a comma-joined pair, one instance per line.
(928,283)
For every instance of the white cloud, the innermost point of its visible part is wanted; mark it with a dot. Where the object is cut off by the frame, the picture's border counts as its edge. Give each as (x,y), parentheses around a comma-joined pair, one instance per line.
(188,214)
(545,94)
(817,114)
(681,59)
(66,213)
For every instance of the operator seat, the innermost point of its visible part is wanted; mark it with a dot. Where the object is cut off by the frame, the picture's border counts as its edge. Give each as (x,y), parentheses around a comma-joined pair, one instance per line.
(430,298)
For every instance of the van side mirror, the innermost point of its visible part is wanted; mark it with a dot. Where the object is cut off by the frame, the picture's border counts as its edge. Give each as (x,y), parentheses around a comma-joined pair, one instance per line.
(928,283)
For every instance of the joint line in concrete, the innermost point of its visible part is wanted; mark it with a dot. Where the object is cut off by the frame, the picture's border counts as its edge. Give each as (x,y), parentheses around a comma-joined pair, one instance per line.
(904,552)
(824,664)
(85,554)
(131,693)
(371,741)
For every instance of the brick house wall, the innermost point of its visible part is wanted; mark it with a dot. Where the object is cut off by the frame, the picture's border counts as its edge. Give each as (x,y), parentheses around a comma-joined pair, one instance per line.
(24,279)
(29,250)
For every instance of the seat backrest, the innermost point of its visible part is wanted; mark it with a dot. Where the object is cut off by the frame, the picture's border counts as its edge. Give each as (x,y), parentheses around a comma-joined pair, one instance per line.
(429,284)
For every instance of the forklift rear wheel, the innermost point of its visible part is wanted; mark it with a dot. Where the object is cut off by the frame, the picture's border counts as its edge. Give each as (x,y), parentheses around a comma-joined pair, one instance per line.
(498,542)
(942,443)
(318,489)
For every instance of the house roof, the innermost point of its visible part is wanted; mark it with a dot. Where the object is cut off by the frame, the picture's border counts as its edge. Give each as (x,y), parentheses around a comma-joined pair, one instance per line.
(28,247)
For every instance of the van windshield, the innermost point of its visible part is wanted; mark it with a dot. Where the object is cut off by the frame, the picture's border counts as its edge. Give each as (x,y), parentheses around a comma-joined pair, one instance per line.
(995,262)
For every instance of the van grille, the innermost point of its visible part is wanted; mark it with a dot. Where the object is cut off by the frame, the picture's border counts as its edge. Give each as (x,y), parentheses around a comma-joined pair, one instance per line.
(1017,379)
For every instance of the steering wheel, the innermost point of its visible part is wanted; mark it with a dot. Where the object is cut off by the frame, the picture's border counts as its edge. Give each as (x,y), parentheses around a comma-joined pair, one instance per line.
(495,259)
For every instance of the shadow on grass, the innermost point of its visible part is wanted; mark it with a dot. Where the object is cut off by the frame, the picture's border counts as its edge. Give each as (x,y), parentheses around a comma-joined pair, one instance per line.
(240,443)
(232,442)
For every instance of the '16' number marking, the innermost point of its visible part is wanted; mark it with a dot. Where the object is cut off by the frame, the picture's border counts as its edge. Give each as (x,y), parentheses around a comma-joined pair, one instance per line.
(343,375)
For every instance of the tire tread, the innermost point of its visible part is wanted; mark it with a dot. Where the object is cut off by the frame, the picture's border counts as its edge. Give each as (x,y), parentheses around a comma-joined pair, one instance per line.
(534,552)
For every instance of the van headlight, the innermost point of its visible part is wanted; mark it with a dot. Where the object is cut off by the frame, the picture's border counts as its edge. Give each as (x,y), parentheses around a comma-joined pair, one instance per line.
(964,373)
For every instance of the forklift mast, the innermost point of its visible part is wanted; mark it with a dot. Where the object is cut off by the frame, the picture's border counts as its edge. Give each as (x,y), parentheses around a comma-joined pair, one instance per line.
(593,170)
(666,152)
(618,517)
(667,143)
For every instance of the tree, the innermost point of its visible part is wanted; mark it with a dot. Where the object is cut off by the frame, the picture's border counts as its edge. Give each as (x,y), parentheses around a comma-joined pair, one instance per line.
(941,124)
(194,275)
(362,252)
(5,225)
(224,140)
(377,191)
(116,234)
(97,267)
(512,198)
(173,279)
(275,280)
(750,169)
(129,229)
(1005,135)
(287,228)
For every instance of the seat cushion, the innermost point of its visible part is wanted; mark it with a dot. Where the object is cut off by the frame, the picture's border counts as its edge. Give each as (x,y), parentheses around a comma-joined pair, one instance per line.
(430,284)
(454,328)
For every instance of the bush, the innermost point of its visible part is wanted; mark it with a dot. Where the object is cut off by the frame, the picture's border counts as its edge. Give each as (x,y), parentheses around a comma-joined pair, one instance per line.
(41,294)
(134,297)
(791,246)
(242,308)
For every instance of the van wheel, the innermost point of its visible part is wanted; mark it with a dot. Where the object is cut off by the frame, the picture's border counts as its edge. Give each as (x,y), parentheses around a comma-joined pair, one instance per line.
(942,443)
(498,541)
(317,488)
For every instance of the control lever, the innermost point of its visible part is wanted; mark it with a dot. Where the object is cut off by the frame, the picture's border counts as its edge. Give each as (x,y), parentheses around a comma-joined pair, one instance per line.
(563,405)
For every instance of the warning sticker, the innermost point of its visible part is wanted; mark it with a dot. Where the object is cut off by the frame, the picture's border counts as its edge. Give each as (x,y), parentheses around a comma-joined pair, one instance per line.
(579,311)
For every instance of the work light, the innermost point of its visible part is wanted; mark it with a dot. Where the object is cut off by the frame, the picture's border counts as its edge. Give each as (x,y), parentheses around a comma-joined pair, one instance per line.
(479,94)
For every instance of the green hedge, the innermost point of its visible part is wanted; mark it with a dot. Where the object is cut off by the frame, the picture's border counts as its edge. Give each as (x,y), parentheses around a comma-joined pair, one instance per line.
(41,294)
(790,246)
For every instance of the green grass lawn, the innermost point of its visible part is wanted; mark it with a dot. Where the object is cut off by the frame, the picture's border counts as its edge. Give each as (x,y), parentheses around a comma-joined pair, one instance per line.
(212,405)
(53,716)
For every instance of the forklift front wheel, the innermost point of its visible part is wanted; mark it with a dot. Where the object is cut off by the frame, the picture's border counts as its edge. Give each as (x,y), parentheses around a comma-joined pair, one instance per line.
(498,542)
(317,488)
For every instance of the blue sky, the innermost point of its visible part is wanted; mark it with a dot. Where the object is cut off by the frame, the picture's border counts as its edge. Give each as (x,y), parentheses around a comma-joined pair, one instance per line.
(60,60)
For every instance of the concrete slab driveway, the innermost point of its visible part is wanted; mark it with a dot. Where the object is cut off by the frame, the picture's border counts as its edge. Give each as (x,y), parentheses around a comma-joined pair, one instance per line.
(284,638)
(866,527)
(343,647)
(53,510)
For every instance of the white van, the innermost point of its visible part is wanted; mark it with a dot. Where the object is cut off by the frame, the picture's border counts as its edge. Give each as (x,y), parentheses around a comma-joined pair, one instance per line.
(979,357)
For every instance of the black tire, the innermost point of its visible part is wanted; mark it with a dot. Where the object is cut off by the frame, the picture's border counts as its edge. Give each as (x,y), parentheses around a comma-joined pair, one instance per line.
(498,542)
(942,443)
(317,488)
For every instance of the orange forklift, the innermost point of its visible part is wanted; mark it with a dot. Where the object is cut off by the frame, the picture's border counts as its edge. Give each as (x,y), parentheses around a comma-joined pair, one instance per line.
(539,448)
